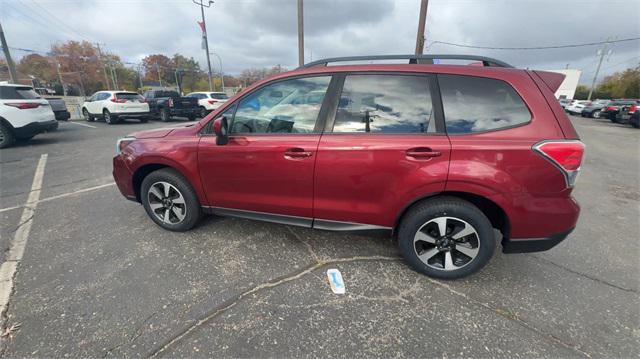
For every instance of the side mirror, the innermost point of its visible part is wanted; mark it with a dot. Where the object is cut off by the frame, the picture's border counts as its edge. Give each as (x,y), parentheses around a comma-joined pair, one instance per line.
(221,129)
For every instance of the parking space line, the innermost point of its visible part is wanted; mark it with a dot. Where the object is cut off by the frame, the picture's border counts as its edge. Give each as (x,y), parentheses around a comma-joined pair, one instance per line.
(81,124)
(63,195)
(9,268)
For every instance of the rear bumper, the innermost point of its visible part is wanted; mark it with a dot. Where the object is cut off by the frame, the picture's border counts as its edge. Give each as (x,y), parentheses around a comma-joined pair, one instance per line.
(534,244)
(123,178)
(35,128)
(130,114)
(62,115)
(184,111)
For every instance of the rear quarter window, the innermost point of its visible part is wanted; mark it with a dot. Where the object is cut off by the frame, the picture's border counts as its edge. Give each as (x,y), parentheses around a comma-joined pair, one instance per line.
(476,104)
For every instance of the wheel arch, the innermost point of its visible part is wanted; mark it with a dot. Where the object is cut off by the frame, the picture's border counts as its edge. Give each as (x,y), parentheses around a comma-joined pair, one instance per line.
(6,123)
(496,215)
(142,172)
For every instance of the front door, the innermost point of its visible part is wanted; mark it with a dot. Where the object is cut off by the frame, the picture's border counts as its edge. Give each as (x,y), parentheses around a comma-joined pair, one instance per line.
(268,164)
(385,148)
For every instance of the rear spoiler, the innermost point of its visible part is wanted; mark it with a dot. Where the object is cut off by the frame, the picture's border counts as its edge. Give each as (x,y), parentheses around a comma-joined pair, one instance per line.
(553,80)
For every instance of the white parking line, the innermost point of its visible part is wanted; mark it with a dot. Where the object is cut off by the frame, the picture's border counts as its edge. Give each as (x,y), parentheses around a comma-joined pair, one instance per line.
(9,268)
(81,124)
(61,196)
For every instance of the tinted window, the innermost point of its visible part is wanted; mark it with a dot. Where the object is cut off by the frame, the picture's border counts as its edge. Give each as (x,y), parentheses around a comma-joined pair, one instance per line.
(219,96)
(103,96)
(385,104)
(281,107)
(166,94)
(18,93)
(130,96)
(475,104)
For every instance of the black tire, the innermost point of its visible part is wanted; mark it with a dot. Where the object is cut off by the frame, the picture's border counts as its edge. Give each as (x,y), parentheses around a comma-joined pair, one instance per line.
(144,120)
(203,112)
(455,211)
(635,122)
(595,114)
(7,137)
(108,117)
(165,116)
(87,116)
(192,117)
(192,208)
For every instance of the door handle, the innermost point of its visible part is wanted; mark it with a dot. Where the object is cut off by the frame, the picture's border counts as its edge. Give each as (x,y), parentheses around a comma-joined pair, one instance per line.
(423,153)
(297,153)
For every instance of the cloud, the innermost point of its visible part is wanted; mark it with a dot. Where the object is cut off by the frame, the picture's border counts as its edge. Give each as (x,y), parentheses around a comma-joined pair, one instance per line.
(260,33)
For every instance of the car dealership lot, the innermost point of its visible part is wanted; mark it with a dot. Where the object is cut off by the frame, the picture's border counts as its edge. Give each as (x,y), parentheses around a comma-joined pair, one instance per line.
(98,278)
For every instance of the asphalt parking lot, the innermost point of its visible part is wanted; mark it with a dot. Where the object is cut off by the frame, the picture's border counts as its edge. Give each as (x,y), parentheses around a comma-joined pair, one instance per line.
(99,279)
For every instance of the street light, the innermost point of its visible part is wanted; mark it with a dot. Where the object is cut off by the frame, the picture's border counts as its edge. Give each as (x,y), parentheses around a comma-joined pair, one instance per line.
(221,73)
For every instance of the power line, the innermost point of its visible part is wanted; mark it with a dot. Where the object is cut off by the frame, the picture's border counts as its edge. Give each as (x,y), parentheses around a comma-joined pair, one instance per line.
(533,47)
(60,22)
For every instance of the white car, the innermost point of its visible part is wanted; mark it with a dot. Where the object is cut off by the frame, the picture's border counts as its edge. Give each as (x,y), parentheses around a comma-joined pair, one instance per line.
(23,114)
(576,107)
(209,101)
(114,105)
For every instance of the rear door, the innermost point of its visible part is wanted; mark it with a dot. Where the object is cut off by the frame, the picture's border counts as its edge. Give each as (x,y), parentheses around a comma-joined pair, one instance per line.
(268,164)
(384,146)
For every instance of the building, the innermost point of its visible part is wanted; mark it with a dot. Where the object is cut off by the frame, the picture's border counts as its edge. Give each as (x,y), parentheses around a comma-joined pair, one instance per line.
(568,87)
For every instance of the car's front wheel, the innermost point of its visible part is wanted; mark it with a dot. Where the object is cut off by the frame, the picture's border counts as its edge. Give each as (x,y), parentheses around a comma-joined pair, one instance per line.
(170,200)
(165,116)
(87,116)
(446,238)
(203,112)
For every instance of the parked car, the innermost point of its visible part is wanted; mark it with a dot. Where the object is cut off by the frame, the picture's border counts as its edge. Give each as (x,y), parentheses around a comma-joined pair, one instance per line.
(564,102)
(209,101)
(167,103)
(628,114)
(23,114)
(59,108)
(438,155)
(611,110)
(594,109)
(576,107)
(112,106)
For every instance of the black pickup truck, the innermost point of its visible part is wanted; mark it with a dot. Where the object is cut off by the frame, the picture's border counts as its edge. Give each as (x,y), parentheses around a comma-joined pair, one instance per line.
(167,103)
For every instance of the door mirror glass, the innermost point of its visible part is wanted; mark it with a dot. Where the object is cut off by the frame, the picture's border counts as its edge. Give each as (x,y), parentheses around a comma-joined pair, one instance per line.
(221,130)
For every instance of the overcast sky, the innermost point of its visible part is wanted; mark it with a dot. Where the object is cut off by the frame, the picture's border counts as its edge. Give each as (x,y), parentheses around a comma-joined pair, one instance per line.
(260,33)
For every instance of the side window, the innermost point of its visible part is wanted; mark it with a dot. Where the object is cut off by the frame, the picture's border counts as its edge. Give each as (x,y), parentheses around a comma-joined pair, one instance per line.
(104,96)
(289,106)
(385,104)
(476,104)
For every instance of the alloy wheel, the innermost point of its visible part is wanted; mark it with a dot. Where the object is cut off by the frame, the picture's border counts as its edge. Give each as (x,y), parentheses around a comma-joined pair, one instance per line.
(446,243)
(167,203)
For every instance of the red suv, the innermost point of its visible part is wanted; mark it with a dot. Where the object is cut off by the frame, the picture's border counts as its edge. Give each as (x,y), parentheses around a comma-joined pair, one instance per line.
(440,155)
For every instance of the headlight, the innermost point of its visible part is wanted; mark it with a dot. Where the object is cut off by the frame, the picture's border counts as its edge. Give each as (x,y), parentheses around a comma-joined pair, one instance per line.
(123,142)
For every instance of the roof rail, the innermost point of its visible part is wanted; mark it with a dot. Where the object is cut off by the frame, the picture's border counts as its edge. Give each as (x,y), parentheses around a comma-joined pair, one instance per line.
(413,59)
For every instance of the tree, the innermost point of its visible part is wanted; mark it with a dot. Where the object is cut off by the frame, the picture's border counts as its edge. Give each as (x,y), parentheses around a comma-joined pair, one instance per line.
(624,84)
(38,66)
(158,64)
(190,73)
(582,92)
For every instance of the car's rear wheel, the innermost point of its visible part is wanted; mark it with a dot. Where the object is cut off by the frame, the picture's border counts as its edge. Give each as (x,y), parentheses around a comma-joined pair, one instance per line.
(446,238)
(170,200)
(144,120)
(595,114)
(191,117)
(87,116)
(6,136)
(203,112)
(165,116)
(108,117)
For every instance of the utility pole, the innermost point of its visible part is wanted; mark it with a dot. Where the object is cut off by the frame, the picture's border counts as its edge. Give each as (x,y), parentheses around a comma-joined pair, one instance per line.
(64,90)
(177,82)
(104,69)
(7,55)
(140,76)
(158,71)
(421,24)
(204,36)
(300,33)
(602,53)
(221,73)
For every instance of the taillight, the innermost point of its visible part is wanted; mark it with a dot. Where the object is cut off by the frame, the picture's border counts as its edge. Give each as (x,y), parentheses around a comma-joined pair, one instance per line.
(565,155)
(633,108)
(212,101)
(170,102)
(23,105)
(118,100)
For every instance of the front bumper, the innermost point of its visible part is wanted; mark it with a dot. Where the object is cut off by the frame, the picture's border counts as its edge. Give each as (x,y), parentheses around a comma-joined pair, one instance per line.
(35,128)
(123,178)
(534,244)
